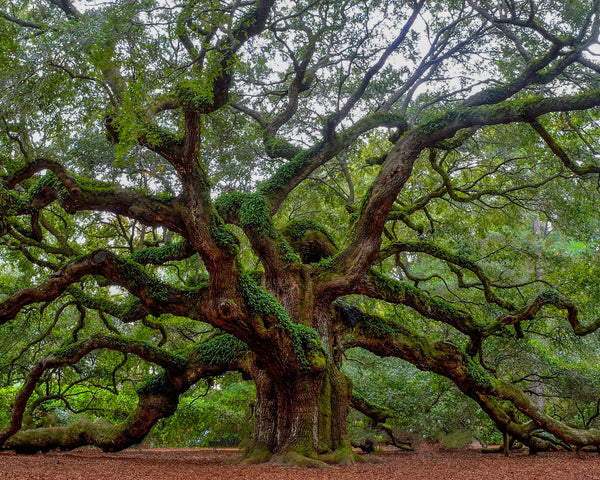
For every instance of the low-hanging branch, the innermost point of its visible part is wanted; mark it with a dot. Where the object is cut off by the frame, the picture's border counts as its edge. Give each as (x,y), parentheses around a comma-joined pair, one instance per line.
(530,311)
(72,353)
(378,415)
(157,397)
(389,338)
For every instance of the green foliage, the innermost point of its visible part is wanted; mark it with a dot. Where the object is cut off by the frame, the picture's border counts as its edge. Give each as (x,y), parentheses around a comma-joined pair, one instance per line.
(124,96)
(209,416)
(426,406)
(296,229)
(223,349)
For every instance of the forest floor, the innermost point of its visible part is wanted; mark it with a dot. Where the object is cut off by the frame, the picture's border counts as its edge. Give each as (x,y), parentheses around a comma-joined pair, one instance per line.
(426,463)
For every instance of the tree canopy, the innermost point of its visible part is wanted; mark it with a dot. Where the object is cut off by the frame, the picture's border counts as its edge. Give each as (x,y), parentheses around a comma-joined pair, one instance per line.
(267,187)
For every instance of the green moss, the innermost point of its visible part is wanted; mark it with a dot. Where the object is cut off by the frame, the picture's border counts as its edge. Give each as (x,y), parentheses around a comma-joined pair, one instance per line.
(492,95)
(305,340)
(296,229)
(289,170)
(326,263)
(250,209)
(230,203)
(257,453)
(12,204)
(478,374)
(363,203)
(286,252)
(280,148)
(254,213)
(68,351)
(343,456)
(430,248)
(155,385)
(307,346)
(373,326)
(137,278)
(325,404)
(158,255)
(223,236)
(439,122)
(159,136)
(390,286)
(50,180)
(128,309)
(221,350)
(192,96)
(549,297)
(124,311)
(260,301)
(92,185)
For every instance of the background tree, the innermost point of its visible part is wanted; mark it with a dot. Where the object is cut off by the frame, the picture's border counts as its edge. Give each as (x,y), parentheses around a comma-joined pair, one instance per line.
(304,179)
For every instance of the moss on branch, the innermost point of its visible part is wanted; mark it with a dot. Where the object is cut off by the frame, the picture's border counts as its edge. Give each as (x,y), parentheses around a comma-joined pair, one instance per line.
(289,171)
(305,340)
(221,350)
(309,240)
(163,254)
(250,210)
(52,182)
(435,308)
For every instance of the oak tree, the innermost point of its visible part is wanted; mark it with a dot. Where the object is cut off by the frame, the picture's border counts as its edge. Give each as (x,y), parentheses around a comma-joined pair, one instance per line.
(303,177)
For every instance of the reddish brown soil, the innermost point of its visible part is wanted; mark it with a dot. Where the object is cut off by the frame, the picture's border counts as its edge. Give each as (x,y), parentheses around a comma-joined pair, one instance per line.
(425,464)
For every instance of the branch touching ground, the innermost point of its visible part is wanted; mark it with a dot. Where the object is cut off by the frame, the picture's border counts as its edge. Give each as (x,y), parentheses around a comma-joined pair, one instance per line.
(158,397)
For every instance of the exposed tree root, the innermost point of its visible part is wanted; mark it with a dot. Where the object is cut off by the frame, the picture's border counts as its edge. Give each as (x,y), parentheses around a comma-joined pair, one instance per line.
(257,453)
(296,459)
(342,456)
(260,453)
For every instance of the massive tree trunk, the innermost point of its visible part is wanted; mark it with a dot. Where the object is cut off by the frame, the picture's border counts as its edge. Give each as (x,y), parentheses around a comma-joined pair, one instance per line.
(301,419)
(300,415)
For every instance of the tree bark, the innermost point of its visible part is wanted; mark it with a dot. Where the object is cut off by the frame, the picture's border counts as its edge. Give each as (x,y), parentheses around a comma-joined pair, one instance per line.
(300,416)
(301,420)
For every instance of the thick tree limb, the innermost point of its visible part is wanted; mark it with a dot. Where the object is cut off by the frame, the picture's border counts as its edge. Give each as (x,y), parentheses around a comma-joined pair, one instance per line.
(78,194)
(386,338)
(393,291)
(530,311)
(364,249)
(294,172)
(158,397)
(156,296)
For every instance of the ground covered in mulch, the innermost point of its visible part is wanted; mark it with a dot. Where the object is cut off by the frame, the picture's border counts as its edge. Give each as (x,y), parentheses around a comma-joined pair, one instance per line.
(426,463)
